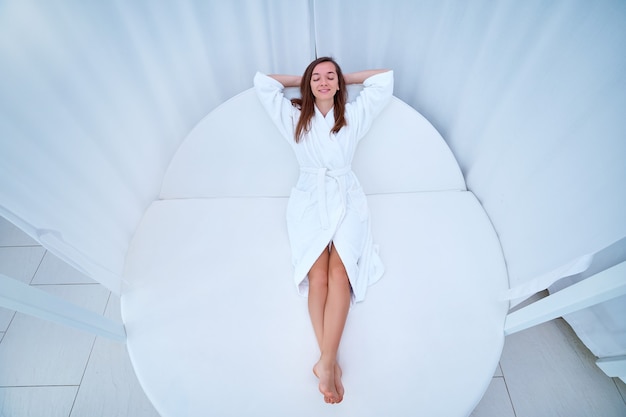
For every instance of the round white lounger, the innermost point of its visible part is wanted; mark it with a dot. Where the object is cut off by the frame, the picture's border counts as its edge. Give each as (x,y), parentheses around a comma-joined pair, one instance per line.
(216,328)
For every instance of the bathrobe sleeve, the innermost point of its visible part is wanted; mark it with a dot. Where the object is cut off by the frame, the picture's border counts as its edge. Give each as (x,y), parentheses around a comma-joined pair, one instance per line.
(376,94)
(279,108)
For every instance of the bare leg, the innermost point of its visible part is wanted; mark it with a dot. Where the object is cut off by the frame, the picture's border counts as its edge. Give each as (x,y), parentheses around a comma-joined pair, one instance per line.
(335,314)
(318,291)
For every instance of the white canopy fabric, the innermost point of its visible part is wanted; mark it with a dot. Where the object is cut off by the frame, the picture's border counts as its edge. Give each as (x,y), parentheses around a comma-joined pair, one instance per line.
(96,97)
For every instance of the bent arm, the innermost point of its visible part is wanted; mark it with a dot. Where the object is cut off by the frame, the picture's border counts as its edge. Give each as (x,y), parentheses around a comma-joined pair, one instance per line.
(287,80)
(360,76)
(270,93)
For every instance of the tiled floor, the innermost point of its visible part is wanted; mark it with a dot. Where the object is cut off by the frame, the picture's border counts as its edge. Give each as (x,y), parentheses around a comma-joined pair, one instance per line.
(51,370)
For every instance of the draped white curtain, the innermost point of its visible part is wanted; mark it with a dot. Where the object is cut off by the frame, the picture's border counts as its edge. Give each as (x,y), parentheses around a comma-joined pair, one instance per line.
(529,95)
(95,97)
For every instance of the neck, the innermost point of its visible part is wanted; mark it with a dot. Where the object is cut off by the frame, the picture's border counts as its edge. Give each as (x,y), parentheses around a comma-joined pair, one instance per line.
(324,106)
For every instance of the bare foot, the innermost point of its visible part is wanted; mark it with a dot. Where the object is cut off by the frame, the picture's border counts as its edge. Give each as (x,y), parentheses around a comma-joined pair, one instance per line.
(338,384)
(326,374)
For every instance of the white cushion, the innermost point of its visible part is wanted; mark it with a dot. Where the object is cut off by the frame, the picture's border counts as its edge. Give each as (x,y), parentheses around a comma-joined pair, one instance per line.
(236,151)
(215,326)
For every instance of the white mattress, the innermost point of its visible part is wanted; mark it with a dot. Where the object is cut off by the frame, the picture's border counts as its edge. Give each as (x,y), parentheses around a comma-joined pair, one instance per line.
(215,326)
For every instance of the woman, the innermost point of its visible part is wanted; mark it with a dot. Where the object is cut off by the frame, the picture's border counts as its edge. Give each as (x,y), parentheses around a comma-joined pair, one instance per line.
(333,254)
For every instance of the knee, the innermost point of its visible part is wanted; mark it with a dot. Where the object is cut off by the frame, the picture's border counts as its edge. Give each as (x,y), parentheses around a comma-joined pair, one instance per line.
(318,278)
(337,274)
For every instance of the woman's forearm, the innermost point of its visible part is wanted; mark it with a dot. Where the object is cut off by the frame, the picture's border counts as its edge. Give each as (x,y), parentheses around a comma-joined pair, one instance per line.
(360,76)
(287,80)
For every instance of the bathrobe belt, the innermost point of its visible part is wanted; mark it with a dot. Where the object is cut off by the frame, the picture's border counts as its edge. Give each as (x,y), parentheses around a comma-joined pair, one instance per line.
(322,173)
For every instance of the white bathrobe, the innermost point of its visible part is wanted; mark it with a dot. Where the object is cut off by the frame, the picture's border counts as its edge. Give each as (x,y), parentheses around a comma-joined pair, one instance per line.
(328,204)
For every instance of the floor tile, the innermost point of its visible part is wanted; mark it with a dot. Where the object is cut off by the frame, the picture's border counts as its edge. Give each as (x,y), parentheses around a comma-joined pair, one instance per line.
(110,387)
(20,263)
(6,316)
(549,372)
(10,235)
(495,402)
(54,271)
(39,352)
(36,401)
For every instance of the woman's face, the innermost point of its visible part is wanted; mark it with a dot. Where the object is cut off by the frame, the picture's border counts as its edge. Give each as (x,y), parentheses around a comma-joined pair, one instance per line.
(324,82)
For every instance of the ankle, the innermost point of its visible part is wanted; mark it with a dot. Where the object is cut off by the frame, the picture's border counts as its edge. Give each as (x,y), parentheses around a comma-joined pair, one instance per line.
(328,359)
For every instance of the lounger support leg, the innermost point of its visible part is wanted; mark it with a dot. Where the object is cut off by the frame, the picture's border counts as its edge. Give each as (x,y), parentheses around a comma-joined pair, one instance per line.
(603,286)
(16,295)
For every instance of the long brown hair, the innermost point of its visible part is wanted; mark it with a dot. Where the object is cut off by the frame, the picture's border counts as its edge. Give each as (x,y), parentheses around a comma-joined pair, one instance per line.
(306,104)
